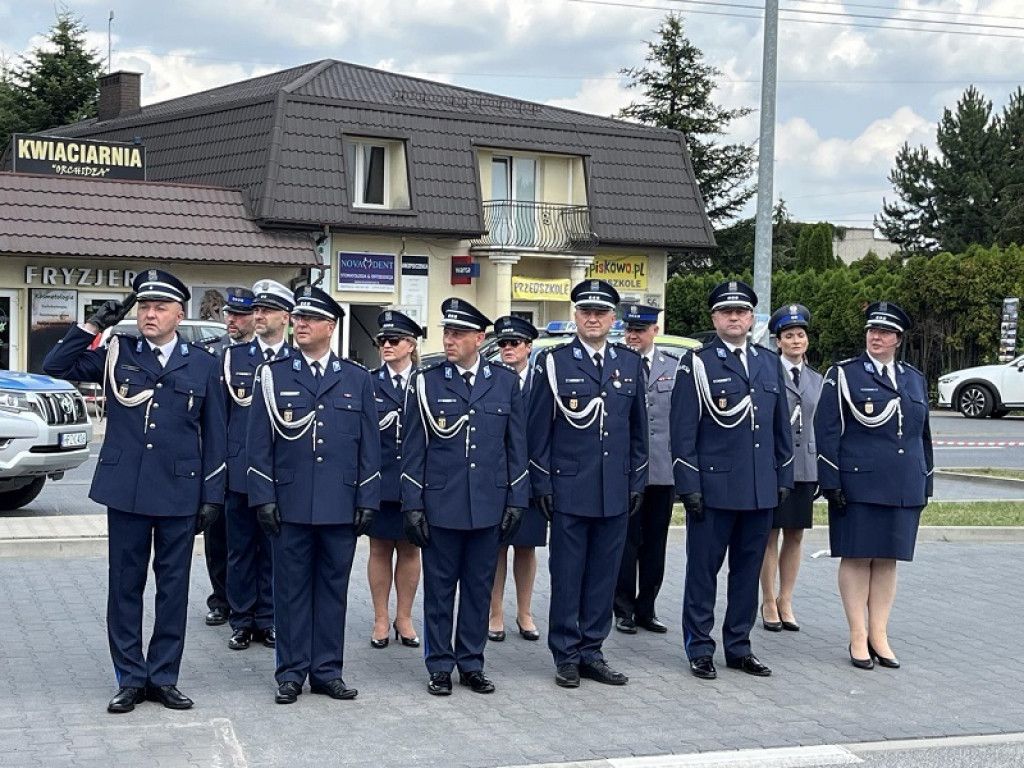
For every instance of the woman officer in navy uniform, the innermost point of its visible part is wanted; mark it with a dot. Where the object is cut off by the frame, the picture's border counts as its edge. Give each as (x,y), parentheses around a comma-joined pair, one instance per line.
(875,469)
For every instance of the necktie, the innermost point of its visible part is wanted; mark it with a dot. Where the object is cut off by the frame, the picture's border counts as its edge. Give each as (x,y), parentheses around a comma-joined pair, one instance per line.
(468,377)
(397,380)
(647,365)
(739,356)
(159,354)
(315,368)
(598,363)
(268,354)
(884,373)
(796,375)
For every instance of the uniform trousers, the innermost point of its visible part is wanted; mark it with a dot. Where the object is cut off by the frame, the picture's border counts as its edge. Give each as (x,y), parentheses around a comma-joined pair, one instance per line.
(131,539)
(462,560)
(643,557)
(584,551)
(744,533)
(312,564)
(215,547)
(250,566)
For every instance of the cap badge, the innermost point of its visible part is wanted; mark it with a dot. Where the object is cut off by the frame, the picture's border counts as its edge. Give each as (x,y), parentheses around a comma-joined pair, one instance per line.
(595,285)
(151,276)
(883,306)
(307,291)
(264,286)
(454,304)
(792,309)
(634,309)
(387,315)
(733,287)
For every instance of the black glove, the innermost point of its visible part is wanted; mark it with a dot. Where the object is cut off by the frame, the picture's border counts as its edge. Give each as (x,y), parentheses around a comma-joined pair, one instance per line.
(783,495)
(546,505)
(836,500)
(363,518)
(510,520)
(208,514)
(694,505)
(636,499)
(416,529)
(110,313)
(269,519)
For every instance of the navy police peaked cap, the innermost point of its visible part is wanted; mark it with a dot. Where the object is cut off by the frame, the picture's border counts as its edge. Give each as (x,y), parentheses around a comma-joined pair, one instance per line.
(732,293)
(460,314)
(595,294)
(789,316)
(639,315)
(239,301)
(158,285)
(270,294)
(888,317)
(512,327)
(395,323)
(311,301)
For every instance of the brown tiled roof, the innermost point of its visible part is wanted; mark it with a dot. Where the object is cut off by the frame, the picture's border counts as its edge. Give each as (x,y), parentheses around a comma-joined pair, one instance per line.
(60,216)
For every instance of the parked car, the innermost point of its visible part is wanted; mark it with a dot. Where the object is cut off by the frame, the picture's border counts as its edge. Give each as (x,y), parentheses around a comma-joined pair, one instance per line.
(986,390)
(44,432)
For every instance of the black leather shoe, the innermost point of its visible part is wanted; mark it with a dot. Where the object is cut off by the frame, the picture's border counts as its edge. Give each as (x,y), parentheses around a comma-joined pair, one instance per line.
(496,636)
(883,661)
(125,700)
(477,681)
(528,634)
(626,625)
(789,626)
(336,689)
(703,667)
(602,673)
(269,637)
(216,617)
(169,696)
(408,642)
(440,684)
(652,625)
(750,665)
(240,639)
(867,663)
(288,693)
(771,626)
(568,675)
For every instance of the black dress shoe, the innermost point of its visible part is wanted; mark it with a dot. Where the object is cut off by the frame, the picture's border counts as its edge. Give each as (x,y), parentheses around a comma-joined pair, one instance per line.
(408,642)
(750,665)
(567,675)
(477,681)
(335,688)
(602,673)
(379,643)
(771,626)
(652,625)
(240,639)
(883,661)
(440,684)
(528,634)
(626,625)
(125,699)
(288,693)
(269,637)
(789,626)
(867,663)
(703,667)
(216,617)
(496,636)
(169,696)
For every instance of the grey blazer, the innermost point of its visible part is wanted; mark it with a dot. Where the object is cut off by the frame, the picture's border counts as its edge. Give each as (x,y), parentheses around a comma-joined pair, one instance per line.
(659,404)
(805,453)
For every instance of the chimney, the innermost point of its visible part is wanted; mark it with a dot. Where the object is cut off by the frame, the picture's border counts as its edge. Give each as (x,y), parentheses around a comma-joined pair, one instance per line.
(120,95)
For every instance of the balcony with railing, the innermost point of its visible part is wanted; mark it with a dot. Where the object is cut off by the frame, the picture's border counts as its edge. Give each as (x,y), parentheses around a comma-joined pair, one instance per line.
(516,225)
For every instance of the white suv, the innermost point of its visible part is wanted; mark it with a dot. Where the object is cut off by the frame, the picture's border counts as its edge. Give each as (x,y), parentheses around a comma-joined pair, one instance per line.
(987,390)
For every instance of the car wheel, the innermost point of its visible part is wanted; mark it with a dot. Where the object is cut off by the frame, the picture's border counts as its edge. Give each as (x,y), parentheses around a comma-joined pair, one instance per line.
(11,500)
(975,401)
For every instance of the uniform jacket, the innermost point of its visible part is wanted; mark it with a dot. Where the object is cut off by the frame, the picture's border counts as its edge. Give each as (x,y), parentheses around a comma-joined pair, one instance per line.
(659,406)
(465,482)
(166,455)
(390,401)
(804,397)
(320,477)
(589,472)
(743,467)
(875,465)
(238,369)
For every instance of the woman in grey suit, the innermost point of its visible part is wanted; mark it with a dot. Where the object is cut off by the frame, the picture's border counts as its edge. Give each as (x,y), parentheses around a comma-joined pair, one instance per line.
(789,325)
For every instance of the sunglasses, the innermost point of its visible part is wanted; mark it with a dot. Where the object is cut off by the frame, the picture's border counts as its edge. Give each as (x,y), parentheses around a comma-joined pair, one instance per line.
(509,343)
(391,341)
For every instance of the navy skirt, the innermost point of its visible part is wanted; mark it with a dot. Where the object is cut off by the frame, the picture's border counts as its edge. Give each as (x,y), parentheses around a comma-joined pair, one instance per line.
(533,532)
(388,522)
(874,530)
(797,512)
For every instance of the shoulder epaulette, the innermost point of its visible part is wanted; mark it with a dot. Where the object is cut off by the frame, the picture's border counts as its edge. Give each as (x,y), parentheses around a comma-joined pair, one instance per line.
(356,364)
(205,346)
(430,366)
(123,335)
(847,361)
(626,347)
(764,348)
(908,365)
(502,365)
(237,344)
(673,355)
(277,360)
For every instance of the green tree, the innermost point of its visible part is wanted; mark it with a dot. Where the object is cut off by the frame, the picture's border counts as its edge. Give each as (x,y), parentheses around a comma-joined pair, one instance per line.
(814,248)
(677,87)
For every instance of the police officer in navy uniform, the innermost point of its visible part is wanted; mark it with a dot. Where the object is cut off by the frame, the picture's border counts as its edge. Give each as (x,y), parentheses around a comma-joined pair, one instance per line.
(464,489)
(238,316)
(588,470)
(161,473)
(643,558)
(314,479)
(733,461)
(249,567)
(875,469)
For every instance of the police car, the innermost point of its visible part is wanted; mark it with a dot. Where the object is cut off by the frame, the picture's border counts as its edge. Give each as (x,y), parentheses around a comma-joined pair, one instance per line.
(986,390)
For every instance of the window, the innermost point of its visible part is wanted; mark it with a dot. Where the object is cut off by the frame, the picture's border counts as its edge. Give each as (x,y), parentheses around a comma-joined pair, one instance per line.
(377,173)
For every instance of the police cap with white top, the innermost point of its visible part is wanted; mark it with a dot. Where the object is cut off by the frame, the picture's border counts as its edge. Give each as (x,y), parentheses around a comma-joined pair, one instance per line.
(459,314)
(311,301)
(270,294)
(595,294)
(888,317)
(158,285)
(639,316)
(512,327)
(789,316)
(732,293)
(395,323)
(239,301)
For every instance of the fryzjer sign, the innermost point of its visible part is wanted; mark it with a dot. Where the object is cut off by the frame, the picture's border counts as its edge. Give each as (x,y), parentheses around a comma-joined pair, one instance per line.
(55,156)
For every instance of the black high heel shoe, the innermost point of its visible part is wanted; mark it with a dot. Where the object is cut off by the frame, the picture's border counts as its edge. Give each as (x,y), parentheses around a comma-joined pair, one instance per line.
(883,661)
(381,643)
(528,634)
(789,626)
(771,626)
(496,635)
(867,663)
(408,642)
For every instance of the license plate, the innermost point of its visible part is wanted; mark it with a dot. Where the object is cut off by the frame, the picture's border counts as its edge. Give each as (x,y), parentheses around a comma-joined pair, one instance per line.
(74,440)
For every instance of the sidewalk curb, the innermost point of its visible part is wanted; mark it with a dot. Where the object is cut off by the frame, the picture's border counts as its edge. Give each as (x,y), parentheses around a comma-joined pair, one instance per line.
(967,477)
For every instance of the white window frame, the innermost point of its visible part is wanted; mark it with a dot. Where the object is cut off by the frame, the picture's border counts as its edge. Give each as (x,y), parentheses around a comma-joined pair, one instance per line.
(360,171)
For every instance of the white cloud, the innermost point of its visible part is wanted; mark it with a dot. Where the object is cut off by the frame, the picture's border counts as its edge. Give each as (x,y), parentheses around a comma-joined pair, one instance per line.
(598,97)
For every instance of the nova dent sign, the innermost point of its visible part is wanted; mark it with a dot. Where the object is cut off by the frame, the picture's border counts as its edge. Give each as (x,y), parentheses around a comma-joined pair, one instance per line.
(54,156)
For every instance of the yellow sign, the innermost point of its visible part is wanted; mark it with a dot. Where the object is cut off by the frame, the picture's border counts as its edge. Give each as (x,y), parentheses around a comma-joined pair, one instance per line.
(539,289)
(624,272)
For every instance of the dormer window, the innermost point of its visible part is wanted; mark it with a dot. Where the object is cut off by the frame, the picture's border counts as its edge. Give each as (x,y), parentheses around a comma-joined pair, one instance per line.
(377,173)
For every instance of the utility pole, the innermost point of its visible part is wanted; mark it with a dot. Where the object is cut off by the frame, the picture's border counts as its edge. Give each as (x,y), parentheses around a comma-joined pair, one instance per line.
(110,24)
(765,174)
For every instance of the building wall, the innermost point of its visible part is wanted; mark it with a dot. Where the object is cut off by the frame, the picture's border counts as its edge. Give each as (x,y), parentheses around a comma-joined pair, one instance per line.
(856,243)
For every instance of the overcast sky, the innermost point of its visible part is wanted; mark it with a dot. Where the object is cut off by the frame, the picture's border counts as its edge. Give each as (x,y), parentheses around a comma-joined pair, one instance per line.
(856,79)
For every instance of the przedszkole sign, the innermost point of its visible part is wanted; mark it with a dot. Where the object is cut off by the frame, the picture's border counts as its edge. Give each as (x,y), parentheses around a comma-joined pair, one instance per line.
(55,156)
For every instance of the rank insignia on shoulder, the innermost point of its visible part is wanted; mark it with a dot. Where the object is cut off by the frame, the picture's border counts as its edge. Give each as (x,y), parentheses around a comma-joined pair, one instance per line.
(721,353)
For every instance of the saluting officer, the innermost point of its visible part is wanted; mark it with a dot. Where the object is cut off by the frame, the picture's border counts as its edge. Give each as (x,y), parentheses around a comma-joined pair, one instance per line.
(733,460)
(588,470)
(643,558)
(249,574)
(160,473)
(464,488)
(314,478)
